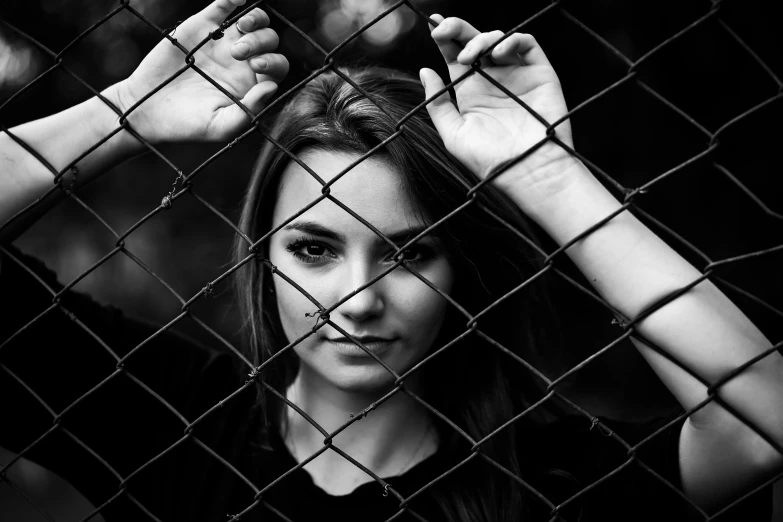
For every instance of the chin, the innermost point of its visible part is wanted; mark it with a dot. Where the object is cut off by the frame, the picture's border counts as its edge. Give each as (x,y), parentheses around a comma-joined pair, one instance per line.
(364,382)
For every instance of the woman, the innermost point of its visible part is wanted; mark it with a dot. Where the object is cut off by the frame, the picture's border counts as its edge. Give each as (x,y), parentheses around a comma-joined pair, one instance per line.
(336,362)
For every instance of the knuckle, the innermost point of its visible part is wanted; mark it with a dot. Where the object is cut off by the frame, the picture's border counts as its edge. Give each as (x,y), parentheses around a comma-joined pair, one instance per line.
(273,65)
(268,37)
(259,62)
(279,64)
(261,16)
(250,39)
(449,24)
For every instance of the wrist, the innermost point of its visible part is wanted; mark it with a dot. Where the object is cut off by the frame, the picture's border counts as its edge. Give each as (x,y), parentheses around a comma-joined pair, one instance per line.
(95,121)
(565,199)
(537,188)
(125,142)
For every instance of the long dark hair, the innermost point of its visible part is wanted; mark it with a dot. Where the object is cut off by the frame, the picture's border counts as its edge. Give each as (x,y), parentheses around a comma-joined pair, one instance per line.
(473,383)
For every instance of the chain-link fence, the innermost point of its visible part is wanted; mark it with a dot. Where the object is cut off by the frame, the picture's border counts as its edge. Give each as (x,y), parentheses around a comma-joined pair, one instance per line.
(616,77)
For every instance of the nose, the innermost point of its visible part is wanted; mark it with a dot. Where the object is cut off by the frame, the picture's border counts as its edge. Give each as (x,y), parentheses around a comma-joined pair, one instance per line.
(368,303)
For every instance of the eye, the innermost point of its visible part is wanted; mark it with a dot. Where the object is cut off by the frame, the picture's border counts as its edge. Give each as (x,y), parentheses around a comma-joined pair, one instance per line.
(409,254)
(416,254)
(314,250)
(308,250)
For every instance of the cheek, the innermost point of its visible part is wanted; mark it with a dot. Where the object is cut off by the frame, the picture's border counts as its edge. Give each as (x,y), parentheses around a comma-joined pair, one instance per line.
(421,305)
(292,305)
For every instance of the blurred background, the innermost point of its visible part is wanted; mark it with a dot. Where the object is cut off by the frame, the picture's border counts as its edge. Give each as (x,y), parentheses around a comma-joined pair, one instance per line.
(627,132)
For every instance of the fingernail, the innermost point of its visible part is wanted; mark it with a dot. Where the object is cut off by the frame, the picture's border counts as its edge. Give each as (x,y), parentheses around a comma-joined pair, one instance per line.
(261,64)
(242,48)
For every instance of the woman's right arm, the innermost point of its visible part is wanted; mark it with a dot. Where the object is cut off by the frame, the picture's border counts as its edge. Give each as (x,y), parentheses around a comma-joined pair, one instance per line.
(59,139)
(188,108)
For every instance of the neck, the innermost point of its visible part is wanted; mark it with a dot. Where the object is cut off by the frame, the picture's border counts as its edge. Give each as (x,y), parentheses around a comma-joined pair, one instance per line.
(390,439)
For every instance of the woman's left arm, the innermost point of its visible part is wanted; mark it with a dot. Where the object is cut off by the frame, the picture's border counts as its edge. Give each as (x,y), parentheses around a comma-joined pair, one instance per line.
(629,266)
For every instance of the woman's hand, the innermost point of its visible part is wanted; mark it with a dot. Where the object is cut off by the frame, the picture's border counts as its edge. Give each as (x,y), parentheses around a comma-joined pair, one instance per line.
(490,127)
(189,108)
(627,264)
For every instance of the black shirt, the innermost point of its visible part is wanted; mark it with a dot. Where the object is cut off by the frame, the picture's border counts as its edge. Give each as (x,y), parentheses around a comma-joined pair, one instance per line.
(125,436)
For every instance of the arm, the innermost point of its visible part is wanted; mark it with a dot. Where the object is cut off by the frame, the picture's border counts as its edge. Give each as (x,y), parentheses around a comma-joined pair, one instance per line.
(629,266)
(59,139)
(187,109)
(632,268)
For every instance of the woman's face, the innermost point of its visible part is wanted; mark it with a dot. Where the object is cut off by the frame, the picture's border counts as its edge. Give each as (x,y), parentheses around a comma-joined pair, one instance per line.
(331,254)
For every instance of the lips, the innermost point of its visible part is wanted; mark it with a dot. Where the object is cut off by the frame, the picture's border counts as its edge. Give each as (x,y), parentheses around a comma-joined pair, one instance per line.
(374,344)
(364,339)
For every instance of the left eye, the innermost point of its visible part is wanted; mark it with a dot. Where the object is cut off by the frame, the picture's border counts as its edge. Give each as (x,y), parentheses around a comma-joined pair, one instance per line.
(412,254)
(314,250)
(408,254)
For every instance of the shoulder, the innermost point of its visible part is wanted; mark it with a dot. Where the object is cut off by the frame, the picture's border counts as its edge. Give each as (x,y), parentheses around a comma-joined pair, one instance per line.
(126,390)
(603,466)
(613,466)
(67,343)
(607,434)
(588,446)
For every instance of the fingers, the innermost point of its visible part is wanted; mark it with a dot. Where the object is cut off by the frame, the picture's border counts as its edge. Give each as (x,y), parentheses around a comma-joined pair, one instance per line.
(516,49)
(219,10)
(270,66)
(257,45)
(257,96)
(258,42)
(519,48)
(229,120)
(444,114)
(478,45)
(255,19)
(449,33)
(451,36)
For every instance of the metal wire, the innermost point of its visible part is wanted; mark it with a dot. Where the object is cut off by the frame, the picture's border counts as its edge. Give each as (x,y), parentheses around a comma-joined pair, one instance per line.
(183,185)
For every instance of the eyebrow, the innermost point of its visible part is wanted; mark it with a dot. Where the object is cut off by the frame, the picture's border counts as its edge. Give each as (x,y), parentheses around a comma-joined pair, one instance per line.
(399,237)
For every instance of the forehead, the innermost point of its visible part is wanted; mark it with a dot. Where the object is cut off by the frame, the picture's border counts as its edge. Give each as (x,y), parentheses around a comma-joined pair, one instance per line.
(373,189)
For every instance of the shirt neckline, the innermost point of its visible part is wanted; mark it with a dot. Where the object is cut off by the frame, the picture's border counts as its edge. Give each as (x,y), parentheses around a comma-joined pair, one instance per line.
(412,475)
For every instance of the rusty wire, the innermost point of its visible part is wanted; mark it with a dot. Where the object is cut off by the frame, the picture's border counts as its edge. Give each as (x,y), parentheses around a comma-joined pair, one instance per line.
(184,186)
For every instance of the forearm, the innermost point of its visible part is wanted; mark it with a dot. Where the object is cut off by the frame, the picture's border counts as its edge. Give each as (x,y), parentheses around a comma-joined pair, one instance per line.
(59,139)
(632,269)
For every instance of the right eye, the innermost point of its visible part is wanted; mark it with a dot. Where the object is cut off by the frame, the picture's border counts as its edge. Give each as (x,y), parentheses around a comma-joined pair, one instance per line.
(308,250)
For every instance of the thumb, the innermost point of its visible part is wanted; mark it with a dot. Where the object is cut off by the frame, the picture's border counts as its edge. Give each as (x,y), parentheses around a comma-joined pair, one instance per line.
(444,114)
(256,97)
(233,117)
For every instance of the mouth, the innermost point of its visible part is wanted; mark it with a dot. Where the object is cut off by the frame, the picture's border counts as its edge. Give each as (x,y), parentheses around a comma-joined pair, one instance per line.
(364,339)
(374,344)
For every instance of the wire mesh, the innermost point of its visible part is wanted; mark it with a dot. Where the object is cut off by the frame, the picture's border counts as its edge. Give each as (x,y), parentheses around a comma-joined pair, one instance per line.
(184,185)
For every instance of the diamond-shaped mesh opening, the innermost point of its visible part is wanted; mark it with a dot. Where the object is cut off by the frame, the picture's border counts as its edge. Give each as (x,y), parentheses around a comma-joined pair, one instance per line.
(659,147)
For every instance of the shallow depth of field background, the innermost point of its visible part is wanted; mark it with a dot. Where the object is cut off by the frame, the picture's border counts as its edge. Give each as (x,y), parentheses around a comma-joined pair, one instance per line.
(628,133)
